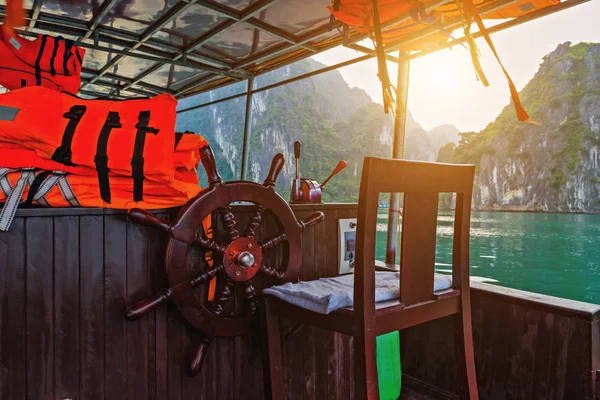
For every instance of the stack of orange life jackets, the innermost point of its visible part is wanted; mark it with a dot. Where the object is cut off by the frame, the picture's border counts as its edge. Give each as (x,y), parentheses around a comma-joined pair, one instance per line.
(59,150)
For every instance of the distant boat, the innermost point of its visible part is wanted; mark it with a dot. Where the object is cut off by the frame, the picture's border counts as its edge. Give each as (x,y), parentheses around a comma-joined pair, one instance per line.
(383,204)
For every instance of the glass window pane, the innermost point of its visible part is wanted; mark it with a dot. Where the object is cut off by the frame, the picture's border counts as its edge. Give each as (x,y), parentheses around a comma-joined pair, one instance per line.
(222,125)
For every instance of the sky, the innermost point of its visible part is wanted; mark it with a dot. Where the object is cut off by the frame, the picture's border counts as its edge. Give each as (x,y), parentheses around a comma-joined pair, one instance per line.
(443,88)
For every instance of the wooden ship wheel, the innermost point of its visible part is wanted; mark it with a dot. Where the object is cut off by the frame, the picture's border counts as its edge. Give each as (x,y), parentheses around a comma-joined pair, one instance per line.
(236,257)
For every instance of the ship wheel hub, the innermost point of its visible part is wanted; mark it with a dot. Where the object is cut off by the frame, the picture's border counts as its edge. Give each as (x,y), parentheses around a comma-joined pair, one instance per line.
(243,258)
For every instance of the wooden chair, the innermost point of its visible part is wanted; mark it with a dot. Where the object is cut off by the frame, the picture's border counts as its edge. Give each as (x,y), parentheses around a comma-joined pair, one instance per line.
(421,183)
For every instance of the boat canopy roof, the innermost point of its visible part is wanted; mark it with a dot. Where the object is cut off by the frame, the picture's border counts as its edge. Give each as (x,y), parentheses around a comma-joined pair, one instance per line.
(182,47)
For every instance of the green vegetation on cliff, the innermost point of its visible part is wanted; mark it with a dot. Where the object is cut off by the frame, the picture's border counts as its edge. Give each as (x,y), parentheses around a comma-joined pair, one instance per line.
(557,88)
(550,164)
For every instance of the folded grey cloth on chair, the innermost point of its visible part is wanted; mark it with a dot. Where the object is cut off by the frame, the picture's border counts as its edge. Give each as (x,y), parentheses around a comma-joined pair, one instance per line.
(329,294)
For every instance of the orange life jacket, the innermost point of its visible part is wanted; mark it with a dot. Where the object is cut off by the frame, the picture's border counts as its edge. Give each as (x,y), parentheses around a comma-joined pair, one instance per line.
(512,10)
(47,61)
(358,13)
(27,178)
(134,138)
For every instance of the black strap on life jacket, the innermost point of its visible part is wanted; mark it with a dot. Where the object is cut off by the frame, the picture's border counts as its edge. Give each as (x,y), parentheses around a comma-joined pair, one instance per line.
(178,137)
(63,153)
(101,159)
(23,83)
(78,56)
(54,51)
(35,186)
(137,162)
(38,60)
(68,45)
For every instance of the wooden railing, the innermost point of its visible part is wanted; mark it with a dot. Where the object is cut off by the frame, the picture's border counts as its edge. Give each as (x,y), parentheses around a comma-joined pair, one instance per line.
(527,346)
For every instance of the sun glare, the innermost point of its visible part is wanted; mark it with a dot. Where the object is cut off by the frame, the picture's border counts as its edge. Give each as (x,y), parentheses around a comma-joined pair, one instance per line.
(439,77)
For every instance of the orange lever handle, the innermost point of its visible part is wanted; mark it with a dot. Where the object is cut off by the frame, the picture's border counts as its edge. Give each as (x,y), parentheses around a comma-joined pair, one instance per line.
(338,168)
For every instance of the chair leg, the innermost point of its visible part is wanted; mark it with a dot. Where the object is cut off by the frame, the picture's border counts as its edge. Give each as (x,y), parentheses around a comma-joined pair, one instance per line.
(465,357)
(365,367)
(271,347)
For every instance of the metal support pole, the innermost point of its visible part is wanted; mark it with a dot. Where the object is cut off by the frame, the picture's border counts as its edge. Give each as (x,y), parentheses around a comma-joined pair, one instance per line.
(398,153)
(247,127)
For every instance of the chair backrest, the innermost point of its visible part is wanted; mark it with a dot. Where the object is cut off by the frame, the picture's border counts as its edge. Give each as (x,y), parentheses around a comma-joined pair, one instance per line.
(421,183)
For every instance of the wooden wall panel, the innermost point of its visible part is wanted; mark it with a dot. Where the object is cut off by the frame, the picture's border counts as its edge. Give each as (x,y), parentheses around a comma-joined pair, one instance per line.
(39,312)
(115,300)
(66,306)
(91,308)
(13,317)
(66,277)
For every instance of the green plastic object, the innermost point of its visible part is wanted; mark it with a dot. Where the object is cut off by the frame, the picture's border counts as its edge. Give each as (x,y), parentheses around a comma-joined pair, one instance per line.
(389,371)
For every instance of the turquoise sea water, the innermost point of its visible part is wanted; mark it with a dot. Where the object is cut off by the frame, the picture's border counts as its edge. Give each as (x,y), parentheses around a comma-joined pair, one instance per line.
(555,254)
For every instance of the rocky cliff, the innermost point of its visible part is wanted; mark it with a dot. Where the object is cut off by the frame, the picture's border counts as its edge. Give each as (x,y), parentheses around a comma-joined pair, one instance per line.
(553,165)
(332,120)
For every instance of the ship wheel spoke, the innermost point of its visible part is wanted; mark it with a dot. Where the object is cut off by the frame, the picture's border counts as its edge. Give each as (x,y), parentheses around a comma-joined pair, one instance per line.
(206,276)
(250,296)
(273,241)
(229,223)
(255,221)
(272,272)
(276,166)
(143,307)
(199,355)
(224,296)
(209,244)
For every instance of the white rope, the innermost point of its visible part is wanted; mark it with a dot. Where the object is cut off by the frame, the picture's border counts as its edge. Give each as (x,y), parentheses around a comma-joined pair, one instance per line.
(14,198)
(14,194)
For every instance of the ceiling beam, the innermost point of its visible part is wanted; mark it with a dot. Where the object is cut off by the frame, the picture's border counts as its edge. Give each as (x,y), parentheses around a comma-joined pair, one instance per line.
(254,22)
(110,36)
(35,13)
(160,59)
(179,8)
(111,85)
(222,27)
(372,52)
(265,55)
(284,82)
(97,19)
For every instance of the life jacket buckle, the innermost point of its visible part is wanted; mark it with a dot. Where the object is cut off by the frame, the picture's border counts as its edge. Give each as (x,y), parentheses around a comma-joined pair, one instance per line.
(148,129)
(113,120)
(75,113)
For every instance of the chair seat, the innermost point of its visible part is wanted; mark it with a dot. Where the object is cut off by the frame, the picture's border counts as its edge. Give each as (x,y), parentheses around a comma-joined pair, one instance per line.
(329,294)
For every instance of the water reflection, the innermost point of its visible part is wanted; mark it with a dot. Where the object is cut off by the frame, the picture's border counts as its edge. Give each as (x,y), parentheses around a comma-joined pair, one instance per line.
(555,254)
